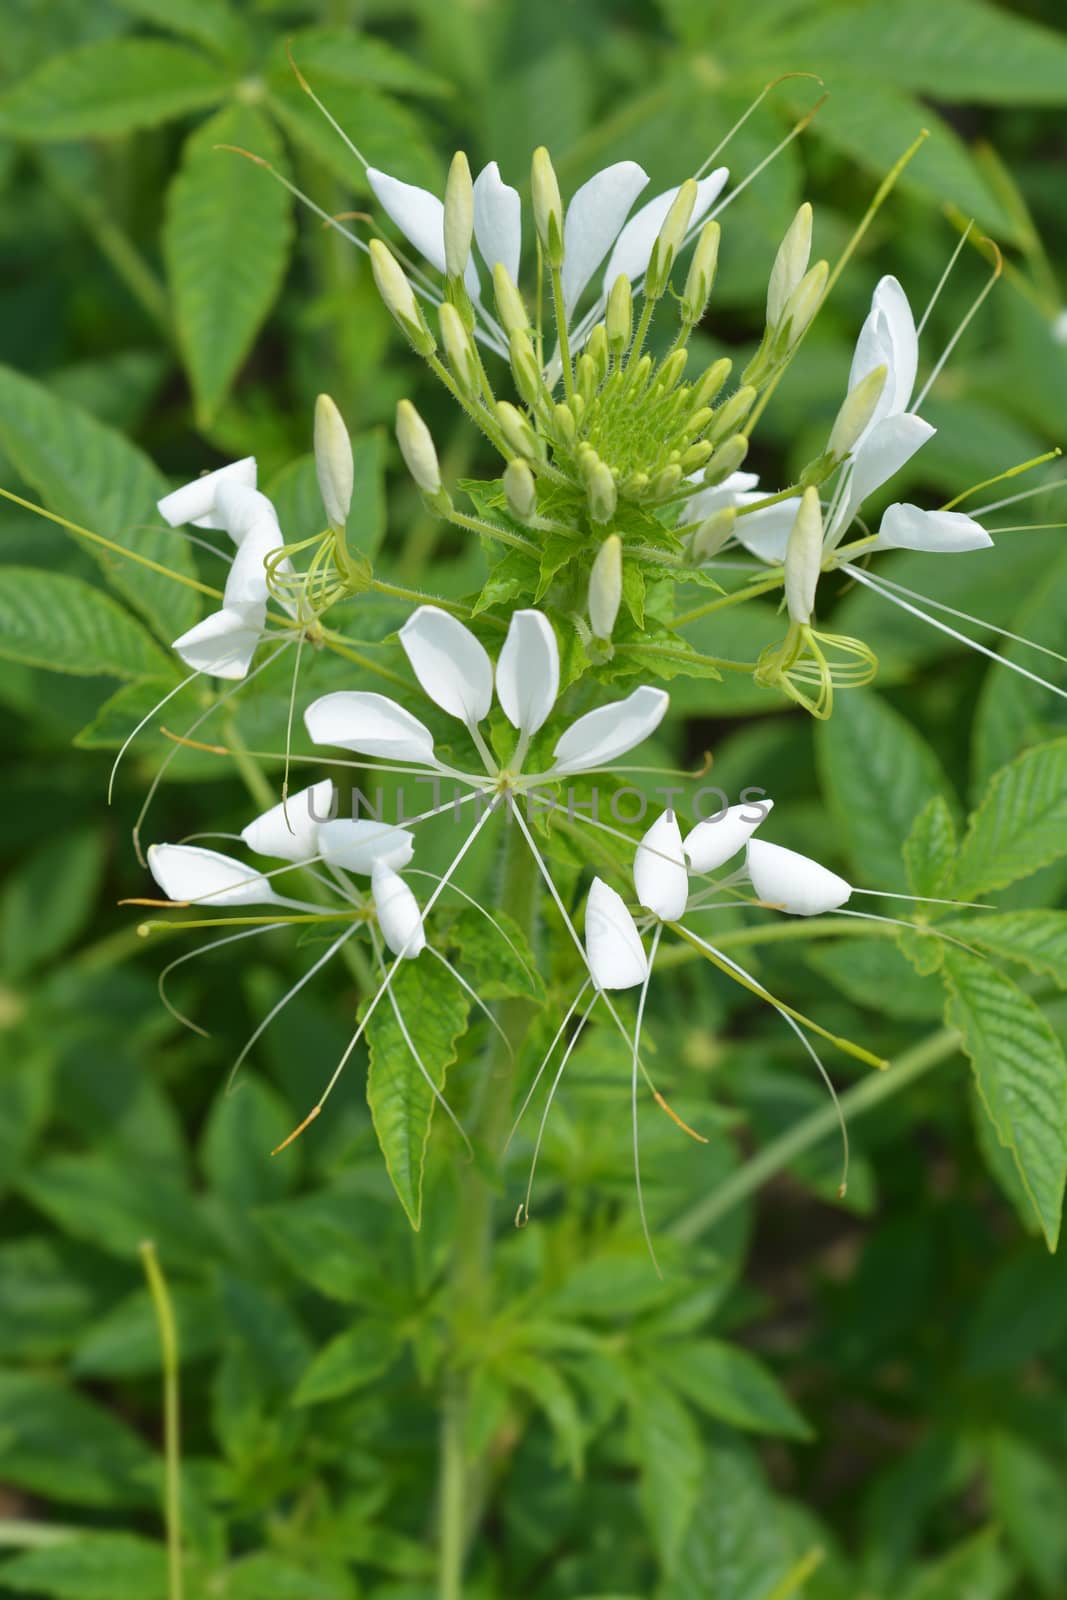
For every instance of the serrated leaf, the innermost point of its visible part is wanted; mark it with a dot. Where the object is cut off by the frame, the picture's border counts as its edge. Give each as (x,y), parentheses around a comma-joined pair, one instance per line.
(226,243)
(108,1202)
(65,625)
(930,848)
(434,1009)
(513,577)
(1035,939)
(550,1392)
(212,23)
(1026,1494)
(90,474)
(120,713)
(314,1236)
(1021,1073)
(93,1566)
(358,59)
(497,961)
(730,1385)
(55,1442)
(1021,824)
(110,87)
(48,899)
(976,1569)
(668,1451)
(873,973)
(348,1362)
(878,773)
(269,1576)
(665,659)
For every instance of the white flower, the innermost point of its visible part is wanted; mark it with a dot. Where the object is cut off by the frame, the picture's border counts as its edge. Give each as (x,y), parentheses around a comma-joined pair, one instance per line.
(794,883)
(224,643)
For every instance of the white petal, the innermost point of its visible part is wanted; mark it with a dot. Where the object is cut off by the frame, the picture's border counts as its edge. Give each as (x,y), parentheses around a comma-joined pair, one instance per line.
(223,644)
(246,581)
(634,244)
(372,725)
(610,731)
(186,872)
(398,911)
(359,844)
(195,502)
(613,945)
(288,830)
(420,216)
(451,664)
(907,527)
(242,511)
(792,882)
(765,534)
(712,842)
(660,875)
(527,671)
(594,216)
(497,221)
(888,338)
(884,450)
(721,496)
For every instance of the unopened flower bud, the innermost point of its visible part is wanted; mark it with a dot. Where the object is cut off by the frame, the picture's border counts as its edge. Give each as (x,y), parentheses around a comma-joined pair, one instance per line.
(602,493)
(462,357)
(585,377)
(698,422)
(665,482)
(417,448)
(728,457)
(713,533)
(605,587)
(524,368)
(333,461)
(520,488)
(855,413)
(672,369)
(803,558)
(597,350)
(459,216)
(509,302)
(732,413)
(547,206)
(670,239)
(790,264)
(641,373)
(399,298)
(696,455)
(518,434)
(619,317)
(700,279)
(565,423)
(804,302)
(712,381)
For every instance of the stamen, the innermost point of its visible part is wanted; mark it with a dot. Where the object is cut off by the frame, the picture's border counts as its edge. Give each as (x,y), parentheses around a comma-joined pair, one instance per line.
(953,258)
(468,989)
(145,719)
(633,1097)
(281,1004)
(956,337)
(192,955)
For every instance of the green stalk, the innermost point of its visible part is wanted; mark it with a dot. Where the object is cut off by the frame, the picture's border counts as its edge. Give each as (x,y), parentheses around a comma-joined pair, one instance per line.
(172,1446)
(462,1482)
(862,1097)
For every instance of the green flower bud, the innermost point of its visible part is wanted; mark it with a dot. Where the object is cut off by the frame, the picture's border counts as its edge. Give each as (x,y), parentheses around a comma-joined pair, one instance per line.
(672,370)
(728,457)
(400,302)
(565,423)
(804,302)
(459,216)
(605,587)
(619,317)
(547,206)
(713,533)
(732,413)
(519,436)
(803,558)
(602,493)
(525,370)
(670,239)
(520,488)
(696,455)
(665,482)
(700,279)
(597,350)
(855,413)
(417,448)
(709,385)
(462,356)
(333,461)
(790,265)
(509,302)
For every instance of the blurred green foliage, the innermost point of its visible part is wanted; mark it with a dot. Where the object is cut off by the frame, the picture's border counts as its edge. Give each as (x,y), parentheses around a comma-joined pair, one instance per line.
(834,1400)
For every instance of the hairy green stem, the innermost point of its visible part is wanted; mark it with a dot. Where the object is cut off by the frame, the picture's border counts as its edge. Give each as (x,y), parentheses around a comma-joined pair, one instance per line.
(862,1097)
(462,1482)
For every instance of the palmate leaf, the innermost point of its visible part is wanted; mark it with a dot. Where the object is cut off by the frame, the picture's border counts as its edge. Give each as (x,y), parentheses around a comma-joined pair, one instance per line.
(386,133)
(434,1008)
(226,242)
(1020,826)
(357,59)
(64,624)
(110,87)
(1035,939)
(1021,1073)
(87,472)
(212,23)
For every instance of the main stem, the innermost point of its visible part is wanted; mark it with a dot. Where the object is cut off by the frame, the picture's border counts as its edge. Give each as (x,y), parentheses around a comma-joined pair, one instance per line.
(462,1481)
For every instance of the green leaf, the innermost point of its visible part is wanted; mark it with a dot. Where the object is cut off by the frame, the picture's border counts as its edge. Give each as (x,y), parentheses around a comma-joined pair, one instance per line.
(930,849)
(1021,1313)
(553,1396)
(110,87)
(111,1204)
(243,1128)
(357,59)
(315,1236)
(730,1385)
(667,1448)
(349,1362)
(434,1008)
(91,475)
(874,973)
(387,134)
(94,1566)
(1036,939)
(212,23)
(47,1300)
(65,625)
(1026,1496)
(975,1570)
(48,899)
(268,1576)
(1021,824)
(226,242)
(25,1102)
(1013,712)
(1021,1074)
(878,773)
(497,962)
(55,1442)
(125,1342)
